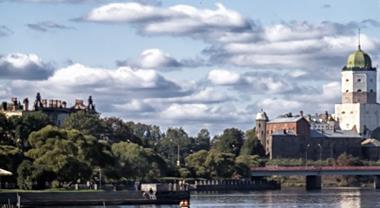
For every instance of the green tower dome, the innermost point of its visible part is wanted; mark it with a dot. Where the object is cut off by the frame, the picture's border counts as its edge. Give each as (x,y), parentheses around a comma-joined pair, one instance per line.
(359,59)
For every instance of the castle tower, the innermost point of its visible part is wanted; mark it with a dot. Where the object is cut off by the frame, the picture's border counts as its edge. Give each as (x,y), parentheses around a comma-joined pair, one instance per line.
(359,109)
(261,127)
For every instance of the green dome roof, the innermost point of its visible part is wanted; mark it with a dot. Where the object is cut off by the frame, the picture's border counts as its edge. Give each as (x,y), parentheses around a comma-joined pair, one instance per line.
(359,59)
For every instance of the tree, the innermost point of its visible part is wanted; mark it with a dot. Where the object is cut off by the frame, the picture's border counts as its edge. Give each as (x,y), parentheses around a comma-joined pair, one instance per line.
(173,139)
(68,154)
(220,165)
(252,145)
(149,134)
(196,163)
(202,141)
(348,160)
(137,162)
(229,142)
(6,134)
(244,163)
(87,123)
(119,131)
(27,123)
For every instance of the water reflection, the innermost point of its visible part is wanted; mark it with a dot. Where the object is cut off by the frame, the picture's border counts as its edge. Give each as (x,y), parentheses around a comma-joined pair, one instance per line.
(293,198)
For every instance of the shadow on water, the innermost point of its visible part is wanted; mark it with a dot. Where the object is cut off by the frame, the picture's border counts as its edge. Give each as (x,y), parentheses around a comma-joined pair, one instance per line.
(326,198)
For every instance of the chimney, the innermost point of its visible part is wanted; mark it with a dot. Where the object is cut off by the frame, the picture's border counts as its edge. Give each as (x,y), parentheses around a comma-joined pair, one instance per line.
(44,103)
(301,113)
(26,104)
(5,106)
(14,102)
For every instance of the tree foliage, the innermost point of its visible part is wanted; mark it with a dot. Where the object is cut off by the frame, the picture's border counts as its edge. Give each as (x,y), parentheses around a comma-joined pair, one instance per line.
(229,142)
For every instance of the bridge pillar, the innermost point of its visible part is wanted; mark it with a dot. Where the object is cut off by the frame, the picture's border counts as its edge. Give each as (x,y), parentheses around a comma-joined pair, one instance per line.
(376,182)
(313,183)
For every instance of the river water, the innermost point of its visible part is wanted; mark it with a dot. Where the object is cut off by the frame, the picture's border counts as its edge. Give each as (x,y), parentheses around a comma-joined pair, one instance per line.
(297,198)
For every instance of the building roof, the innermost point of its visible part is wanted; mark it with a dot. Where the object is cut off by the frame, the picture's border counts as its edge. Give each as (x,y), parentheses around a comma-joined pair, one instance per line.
(371,143)
(261,116)
(286,119)
(334,134)
(358,60)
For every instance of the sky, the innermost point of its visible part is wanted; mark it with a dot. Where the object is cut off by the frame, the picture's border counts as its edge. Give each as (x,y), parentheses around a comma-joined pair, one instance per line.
(191,64)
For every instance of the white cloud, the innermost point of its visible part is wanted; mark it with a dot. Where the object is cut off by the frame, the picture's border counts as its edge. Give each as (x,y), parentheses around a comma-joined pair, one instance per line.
(134,106)
(174,20)
(240,41)
(24,67)
(198,113)
(223,77)
(155,58)
(109,87)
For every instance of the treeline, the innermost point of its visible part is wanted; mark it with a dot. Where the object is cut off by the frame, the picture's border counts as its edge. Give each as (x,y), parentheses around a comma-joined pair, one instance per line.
(42,155)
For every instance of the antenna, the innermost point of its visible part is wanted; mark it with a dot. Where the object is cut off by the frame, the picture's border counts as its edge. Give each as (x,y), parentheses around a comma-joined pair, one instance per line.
(359,40)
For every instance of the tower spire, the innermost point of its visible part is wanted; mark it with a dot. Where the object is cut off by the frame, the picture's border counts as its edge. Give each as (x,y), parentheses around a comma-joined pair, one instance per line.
(359,48)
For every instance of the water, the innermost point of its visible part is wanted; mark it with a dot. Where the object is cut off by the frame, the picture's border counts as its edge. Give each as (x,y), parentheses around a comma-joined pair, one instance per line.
(293,198)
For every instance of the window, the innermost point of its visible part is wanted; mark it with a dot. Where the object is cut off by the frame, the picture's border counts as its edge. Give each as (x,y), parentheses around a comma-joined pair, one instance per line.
(359,80)
(359,90)
(343,112)
(347,80)
(259,125)
(371,90)
(346,90)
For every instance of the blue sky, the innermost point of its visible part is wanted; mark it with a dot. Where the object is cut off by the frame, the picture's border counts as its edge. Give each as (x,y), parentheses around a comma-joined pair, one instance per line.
(192,64)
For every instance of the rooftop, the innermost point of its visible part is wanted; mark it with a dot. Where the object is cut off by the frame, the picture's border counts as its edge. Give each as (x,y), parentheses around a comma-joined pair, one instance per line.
(334,134)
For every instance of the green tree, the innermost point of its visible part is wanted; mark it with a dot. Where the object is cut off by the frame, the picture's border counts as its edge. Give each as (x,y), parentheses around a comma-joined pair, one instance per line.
(348,160)
(202,141)
(27,123)
(243,164)
(119,131)
(252,145)
(196,163)
(87,123)
(68,154)
(138,162)
(174,139)
(229,142)
(220,165)
(149,134)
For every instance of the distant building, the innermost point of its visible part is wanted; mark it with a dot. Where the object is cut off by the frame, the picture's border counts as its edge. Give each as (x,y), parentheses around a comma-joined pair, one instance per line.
(359,109)
(322,136)
(294,137)
(56,110)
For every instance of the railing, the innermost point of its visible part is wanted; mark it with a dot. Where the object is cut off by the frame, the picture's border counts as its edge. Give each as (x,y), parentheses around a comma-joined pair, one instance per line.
(315,168)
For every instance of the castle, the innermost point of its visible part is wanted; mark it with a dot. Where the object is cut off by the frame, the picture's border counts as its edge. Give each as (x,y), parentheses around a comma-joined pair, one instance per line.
(329,135)
(56,110)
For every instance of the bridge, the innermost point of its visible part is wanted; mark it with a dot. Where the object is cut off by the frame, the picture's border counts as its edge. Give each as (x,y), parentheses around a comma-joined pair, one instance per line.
(313,173)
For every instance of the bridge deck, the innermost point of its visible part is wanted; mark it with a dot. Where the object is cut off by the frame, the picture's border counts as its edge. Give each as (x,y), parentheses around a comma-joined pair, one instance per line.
(315,170)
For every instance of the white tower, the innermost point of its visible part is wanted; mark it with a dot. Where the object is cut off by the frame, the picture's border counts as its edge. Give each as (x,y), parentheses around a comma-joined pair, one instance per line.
(359,109)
